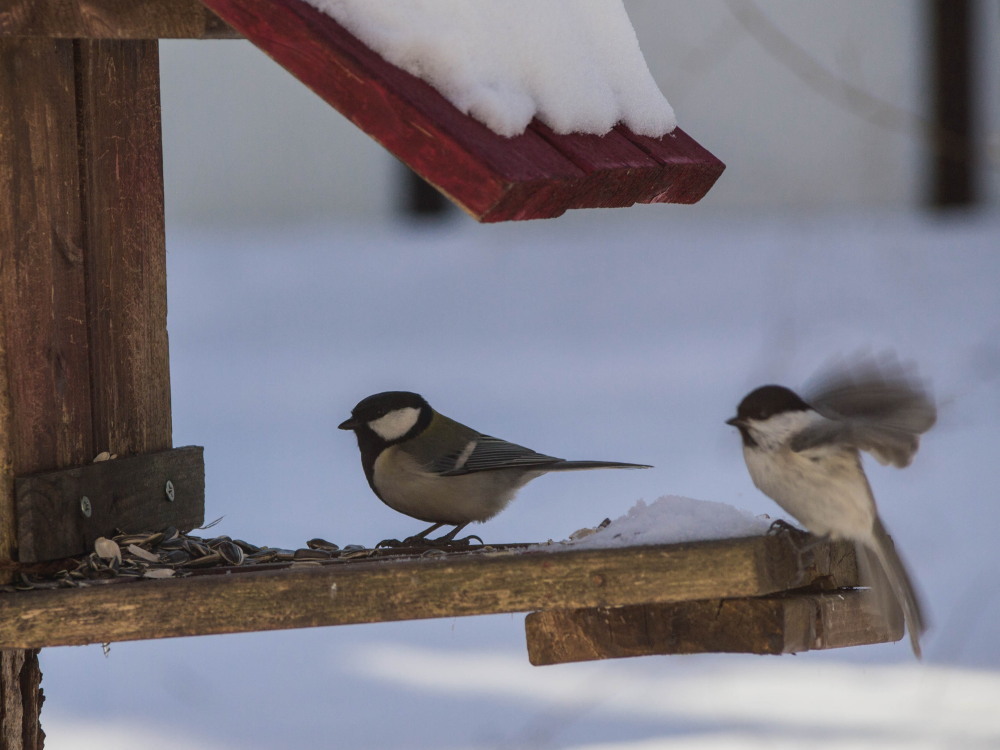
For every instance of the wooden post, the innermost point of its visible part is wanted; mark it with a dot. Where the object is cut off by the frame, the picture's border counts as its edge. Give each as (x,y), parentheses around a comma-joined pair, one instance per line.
(952,106)
(83,347)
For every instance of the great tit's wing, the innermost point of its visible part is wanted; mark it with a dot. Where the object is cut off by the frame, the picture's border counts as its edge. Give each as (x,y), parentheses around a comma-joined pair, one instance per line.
(486,453)
(874,405)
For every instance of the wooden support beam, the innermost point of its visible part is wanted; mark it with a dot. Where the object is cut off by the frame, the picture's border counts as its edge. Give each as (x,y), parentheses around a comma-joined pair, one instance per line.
(19,710)
(83,344)
(61,513)
(111,19)
(83,358)
(951,83)
(784,624)
(341,593)
(121,173)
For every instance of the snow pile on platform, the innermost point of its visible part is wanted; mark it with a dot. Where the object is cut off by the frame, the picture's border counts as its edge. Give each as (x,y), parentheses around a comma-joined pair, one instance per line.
(575,64)
(671,520)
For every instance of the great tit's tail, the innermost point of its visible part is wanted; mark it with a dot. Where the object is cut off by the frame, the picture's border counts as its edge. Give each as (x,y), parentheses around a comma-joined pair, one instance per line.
(581,465)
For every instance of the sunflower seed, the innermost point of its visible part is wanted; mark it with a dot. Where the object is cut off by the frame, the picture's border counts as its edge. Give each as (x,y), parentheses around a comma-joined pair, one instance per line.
(322,544)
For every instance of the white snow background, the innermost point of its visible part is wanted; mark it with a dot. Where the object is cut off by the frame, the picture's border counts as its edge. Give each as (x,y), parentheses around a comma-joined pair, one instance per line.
(623,335)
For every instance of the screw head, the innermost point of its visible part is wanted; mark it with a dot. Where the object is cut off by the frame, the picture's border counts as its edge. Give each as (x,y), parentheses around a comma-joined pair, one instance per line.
(85,506)
(169,490)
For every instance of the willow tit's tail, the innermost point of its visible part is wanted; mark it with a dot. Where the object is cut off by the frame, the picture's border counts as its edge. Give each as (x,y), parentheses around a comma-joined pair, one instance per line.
(884,571)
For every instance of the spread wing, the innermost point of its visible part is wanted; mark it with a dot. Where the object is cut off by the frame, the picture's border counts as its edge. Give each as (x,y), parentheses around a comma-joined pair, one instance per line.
(874,405)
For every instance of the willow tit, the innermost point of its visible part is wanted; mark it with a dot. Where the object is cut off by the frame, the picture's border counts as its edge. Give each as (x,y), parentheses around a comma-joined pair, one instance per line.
(430,467)
(804,455)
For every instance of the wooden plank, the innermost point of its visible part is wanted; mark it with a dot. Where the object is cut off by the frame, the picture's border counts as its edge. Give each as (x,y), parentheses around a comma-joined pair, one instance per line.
(457,585)
(535,175)
(598,156)
(20,708)
(44,375)
(45,406)
(126,260)
(129,494)
(768,625)
(111,19)
(687,166)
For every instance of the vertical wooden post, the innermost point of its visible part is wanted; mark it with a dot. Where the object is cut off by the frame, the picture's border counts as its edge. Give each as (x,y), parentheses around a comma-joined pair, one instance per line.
(83,344)
(952,132)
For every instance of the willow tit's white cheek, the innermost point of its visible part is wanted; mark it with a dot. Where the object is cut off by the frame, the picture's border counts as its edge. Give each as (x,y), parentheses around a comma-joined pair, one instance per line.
(395,424)
(772,433)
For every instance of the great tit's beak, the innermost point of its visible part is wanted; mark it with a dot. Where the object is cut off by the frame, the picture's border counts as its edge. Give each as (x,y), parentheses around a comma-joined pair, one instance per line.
(735,422)
(348,424)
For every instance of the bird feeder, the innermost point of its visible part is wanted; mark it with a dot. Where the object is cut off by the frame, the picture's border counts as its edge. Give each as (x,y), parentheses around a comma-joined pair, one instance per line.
(84,366)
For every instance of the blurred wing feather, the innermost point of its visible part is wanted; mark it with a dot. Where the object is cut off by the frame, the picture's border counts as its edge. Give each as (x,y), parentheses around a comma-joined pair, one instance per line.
(874,405)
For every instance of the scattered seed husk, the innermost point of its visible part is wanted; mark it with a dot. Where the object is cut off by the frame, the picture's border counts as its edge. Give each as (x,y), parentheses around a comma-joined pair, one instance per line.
(322,544)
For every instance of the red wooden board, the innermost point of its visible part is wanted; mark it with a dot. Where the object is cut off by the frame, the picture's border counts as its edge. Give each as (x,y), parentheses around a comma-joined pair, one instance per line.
(536,175)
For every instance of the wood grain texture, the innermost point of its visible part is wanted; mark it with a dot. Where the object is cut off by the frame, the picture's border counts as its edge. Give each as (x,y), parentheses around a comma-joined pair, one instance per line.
(45,408)
(125,259)
(21,700)
(538,174)
(111,19)
(767,625)
(59,346)
(128,494)
(83,361)
(360,592)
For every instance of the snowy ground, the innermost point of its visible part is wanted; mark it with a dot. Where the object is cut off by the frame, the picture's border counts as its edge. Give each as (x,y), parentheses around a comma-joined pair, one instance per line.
(620,335)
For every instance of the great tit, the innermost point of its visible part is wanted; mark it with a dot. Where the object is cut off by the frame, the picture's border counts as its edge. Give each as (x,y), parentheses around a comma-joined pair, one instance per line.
(804,455)
(430,467)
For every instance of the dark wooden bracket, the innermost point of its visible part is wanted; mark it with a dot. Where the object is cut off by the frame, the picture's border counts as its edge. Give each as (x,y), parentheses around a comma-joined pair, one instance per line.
(783,624)
(61,513)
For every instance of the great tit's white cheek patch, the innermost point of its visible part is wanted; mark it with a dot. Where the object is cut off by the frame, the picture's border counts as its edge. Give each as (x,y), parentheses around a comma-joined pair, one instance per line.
(396,423)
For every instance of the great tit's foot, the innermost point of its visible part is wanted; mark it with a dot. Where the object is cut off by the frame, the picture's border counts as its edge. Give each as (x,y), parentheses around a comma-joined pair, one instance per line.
(465,541)
(442,542)
(420,541)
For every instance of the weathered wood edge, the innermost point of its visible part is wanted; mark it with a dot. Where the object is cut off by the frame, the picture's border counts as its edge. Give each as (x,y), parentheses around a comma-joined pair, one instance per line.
(112,19)
(782,624)
(457,585)
(126,493)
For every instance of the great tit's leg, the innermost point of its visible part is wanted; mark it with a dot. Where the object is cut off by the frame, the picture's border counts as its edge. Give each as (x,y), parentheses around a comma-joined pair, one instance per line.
(451,534)
(417,540)
(423,534)
(450,539)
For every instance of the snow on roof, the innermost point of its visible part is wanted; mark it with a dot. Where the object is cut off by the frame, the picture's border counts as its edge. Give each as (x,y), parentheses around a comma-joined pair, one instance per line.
(574,64)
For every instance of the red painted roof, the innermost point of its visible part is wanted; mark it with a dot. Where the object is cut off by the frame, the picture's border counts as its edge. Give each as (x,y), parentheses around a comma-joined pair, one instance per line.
(538,174)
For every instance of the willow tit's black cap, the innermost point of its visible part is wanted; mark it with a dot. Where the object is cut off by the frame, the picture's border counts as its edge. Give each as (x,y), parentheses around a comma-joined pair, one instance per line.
(765,402)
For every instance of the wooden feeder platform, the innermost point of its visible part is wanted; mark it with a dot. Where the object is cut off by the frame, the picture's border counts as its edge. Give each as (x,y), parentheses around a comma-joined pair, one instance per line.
(764,595)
